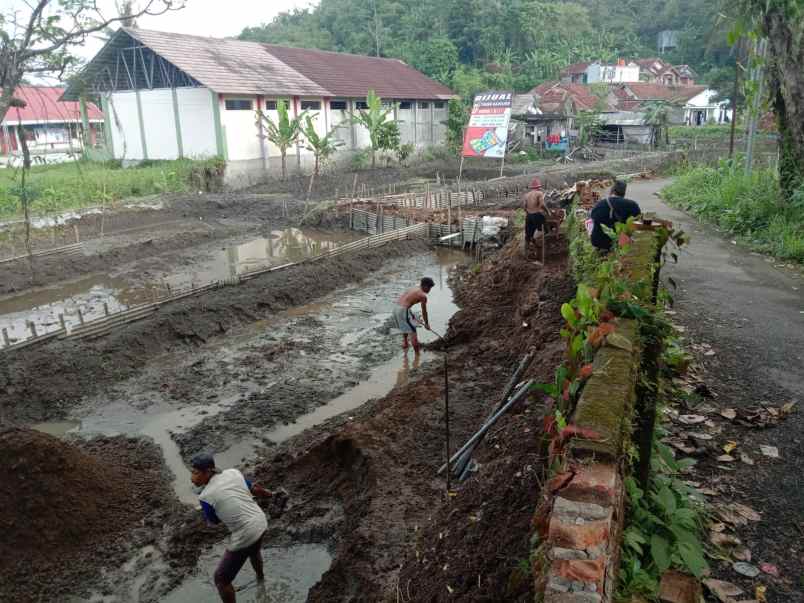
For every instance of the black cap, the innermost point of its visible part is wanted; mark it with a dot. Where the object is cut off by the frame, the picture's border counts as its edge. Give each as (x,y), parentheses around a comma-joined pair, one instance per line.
(203,461)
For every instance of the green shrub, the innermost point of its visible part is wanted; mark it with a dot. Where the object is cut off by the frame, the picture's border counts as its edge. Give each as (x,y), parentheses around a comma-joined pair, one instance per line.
(84,184)
(749,207)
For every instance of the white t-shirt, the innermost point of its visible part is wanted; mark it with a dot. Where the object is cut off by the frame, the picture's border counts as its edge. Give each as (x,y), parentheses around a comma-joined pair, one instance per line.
(234,505)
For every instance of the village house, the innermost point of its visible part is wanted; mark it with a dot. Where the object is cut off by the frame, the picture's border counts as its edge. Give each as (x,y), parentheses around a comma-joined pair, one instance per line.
(54,129)
(651,71)
(168,95)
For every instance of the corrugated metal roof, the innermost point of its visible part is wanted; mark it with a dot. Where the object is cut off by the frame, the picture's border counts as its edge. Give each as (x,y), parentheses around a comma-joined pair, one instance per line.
(353,75)
(42,105)
(239,67)
(228,66)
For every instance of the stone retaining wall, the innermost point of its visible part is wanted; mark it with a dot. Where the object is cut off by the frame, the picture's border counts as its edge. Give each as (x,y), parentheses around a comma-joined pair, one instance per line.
(580,524)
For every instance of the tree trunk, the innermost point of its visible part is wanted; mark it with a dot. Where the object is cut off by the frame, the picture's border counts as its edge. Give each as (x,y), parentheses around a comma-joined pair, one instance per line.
(9,82)
(373,158)
(786,79)
(26,167)
(284,171)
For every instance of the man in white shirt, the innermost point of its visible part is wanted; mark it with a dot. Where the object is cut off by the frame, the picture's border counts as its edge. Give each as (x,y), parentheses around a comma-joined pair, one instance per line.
(228,498)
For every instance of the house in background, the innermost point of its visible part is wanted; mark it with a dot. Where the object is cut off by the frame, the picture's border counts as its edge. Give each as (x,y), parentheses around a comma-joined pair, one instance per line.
(54,129)
(574,74)
(634,96)
(703,109)
(169,95)
(612,74)
(659,71)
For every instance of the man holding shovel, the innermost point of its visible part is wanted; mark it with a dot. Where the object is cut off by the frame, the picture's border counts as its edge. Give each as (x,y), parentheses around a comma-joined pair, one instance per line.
(404,318)
(228,498)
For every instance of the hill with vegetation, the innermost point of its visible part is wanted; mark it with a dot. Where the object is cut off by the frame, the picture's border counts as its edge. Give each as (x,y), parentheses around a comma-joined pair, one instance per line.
(471,45)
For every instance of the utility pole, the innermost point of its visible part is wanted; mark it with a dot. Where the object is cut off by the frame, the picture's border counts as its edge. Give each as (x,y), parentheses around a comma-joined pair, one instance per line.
(758,76)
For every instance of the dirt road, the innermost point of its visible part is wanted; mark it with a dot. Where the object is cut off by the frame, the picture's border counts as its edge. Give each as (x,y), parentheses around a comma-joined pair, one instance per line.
(750,310)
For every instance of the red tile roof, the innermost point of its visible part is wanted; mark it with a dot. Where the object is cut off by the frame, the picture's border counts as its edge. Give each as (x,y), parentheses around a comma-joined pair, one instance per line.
(43,106)
(575,68)
(553,97)
(240,67)
(644,92)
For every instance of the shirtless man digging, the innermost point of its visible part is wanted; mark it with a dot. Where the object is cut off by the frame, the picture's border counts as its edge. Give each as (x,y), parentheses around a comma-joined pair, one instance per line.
(536,211)
(405,321)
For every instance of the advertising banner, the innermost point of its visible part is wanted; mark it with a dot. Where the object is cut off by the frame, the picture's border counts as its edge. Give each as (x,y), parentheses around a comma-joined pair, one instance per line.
(487,132)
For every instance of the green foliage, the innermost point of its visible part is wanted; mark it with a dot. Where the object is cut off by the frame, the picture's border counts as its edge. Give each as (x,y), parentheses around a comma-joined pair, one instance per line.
(664,527)
(657,115)
(511,44)
(84,184)
(322,147)
(283,132)
(751,207)
(383,130)
(588,123)
(457,118)
(404,151)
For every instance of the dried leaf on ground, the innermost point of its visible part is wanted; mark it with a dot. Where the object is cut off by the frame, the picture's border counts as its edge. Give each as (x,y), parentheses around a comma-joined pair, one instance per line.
(746,459)
(725,458)
(717,527)
(770,451)
(724,591)
(769,569)
(729,446)
(723,540)
(745,569)
(788,408)
(676,587)
(691,419)
(759,593)
(746,511)
(742,554)
(728,413)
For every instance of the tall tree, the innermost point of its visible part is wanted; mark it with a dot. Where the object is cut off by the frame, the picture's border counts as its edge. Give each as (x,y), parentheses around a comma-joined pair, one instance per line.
(283,132)
(657,116)
(39,38)
(781,22)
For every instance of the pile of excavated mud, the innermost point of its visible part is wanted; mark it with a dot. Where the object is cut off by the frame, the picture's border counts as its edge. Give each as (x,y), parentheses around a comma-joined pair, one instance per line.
(368,483)
(66,512)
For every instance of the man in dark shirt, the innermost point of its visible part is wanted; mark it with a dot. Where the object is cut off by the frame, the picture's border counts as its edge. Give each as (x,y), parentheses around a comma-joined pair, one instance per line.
(615,208)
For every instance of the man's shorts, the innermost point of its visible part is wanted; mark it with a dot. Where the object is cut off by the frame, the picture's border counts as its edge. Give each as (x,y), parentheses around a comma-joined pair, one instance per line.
(233,561)
(404,320)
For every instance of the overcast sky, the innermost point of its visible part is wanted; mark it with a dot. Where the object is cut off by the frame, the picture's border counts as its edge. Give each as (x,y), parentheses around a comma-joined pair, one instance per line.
(217,18)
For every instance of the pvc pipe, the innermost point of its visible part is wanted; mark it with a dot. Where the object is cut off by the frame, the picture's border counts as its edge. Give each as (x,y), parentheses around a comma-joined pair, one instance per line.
(524,389)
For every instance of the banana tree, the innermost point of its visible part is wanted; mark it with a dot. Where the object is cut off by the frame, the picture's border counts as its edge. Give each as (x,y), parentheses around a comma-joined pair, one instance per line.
(657,115)
(380,128)
(283,132)
(322,147)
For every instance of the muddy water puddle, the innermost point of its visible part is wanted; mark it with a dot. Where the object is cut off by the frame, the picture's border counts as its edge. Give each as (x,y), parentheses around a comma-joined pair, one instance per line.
(258,387)
(43,310)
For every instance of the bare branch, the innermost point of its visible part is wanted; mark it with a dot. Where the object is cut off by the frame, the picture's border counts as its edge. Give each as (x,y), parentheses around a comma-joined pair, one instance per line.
(79,32)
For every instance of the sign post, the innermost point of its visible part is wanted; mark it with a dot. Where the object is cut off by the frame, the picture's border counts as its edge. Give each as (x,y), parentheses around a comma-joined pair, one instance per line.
(487,132)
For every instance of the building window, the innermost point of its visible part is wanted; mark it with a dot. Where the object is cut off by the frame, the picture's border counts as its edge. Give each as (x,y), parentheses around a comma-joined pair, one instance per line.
(238,104)
(337,105)
(406,105)
(270,105)
(439,104)
(361,105)
(311,105)
(424,105)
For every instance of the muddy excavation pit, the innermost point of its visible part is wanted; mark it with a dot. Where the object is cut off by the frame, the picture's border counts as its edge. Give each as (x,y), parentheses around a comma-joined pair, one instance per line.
(297,378)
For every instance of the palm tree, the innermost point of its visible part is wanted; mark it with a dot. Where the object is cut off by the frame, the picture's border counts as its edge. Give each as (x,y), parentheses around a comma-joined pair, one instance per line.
(375,119)
(284,132)
(657,115)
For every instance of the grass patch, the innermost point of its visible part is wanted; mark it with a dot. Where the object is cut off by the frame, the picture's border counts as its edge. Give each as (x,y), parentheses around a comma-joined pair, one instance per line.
(85,184)
(749,207)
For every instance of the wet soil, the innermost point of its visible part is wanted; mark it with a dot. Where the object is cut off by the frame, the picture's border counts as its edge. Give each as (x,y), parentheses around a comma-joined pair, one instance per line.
(43,383)
(394,537)
(73,508)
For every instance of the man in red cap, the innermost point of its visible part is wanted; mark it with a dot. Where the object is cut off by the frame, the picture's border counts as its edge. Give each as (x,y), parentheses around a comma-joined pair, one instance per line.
(536,211)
